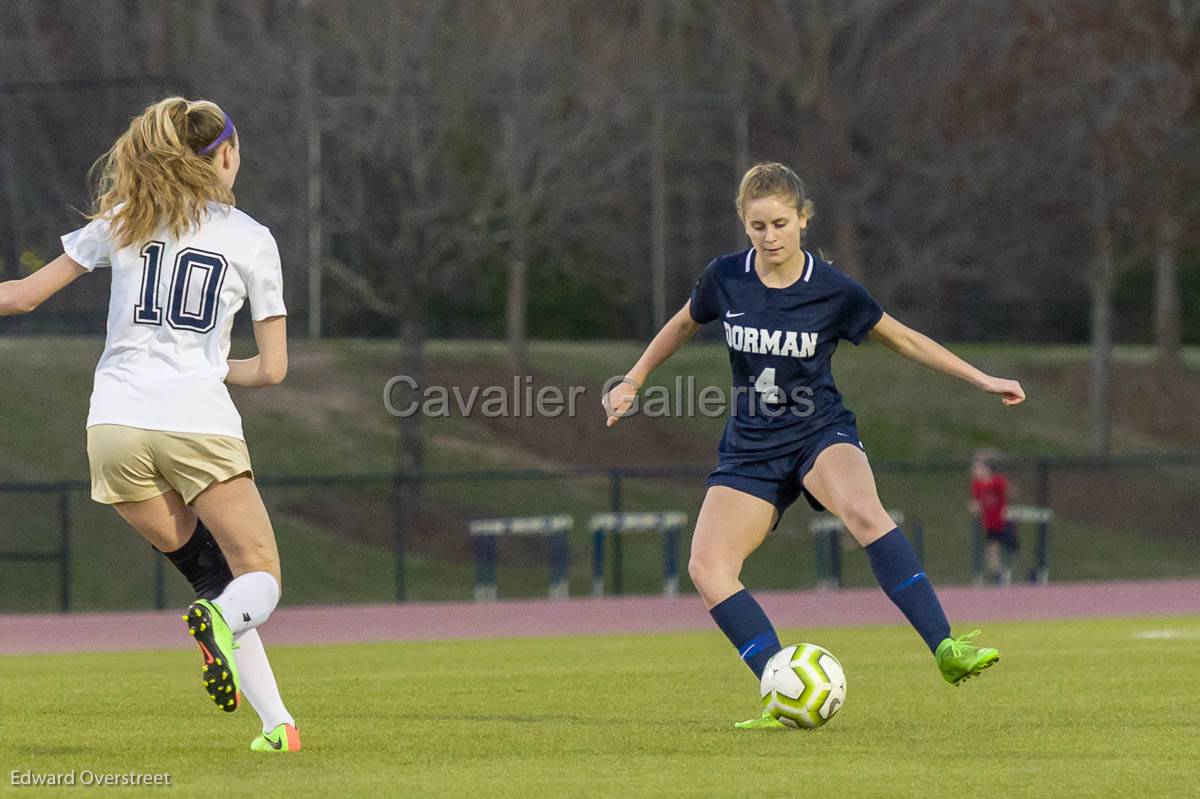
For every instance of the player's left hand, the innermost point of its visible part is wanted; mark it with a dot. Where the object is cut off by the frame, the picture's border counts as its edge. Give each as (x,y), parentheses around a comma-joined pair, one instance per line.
(1010,391)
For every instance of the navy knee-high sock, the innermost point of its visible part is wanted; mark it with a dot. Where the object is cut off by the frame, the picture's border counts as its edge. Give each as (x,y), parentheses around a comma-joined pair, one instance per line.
(749,630)
(900,576)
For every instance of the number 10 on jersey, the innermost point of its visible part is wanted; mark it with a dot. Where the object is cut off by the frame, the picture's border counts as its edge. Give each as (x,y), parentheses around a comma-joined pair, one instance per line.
(191,264)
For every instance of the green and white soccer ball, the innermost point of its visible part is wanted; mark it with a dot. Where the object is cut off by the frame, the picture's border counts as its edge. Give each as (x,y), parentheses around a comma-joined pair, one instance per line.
(803,686)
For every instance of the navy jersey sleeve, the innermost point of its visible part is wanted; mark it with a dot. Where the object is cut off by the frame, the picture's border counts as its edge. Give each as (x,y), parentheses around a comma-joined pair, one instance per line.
(860,312)
(704,305)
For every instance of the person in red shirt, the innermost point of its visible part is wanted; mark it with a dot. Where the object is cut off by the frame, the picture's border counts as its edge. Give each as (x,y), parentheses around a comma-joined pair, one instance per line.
(989,501)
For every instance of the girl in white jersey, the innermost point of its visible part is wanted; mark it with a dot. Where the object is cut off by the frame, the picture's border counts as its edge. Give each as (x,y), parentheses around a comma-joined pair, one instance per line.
(165,442)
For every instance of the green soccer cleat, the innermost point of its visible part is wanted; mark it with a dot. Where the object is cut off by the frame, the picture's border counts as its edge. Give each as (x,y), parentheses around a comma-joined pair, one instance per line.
(959,660)
(215,640)
(764,722)
(284,738)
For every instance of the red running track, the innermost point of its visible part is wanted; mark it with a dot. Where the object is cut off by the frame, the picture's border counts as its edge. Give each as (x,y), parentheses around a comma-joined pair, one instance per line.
(418,621)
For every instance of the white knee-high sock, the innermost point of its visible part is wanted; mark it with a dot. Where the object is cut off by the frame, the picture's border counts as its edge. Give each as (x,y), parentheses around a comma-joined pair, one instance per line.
(258,681)
(248,601)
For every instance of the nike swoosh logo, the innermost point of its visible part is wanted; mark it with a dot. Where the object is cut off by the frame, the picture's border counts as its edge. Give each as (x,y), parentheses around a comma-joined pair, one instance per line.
(731,314)
(208,658)
(276,745)
(843,435)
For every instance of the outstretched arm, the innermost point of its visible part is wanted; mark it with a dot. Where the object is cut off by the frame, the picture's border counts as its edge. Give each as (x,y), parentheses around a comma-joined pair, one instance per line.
(927,352)
(269,367)
(22,296)
(674,335)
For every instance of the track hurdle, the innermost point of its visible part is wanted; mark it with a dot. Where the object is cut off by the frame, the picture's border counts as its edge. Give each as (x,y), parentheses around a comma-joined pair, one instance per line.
(668,525)
(826,531)
(486,532)
(1018,514)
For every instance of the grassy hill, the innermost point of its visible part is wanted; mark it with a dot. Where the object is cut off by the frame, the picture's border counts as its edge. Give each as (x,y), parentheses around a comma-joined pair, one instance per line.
(329,418)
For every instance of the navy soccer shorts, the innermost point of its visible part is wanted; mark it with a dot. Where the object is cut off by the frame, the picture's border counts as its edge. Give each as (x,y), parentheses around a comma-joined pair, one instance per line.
(780,480)
(1007,536)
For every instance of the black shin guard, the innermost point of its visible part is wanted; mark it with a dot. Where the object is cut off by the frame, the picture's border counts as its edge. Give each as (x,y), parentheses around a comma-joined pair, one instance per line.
(203,563)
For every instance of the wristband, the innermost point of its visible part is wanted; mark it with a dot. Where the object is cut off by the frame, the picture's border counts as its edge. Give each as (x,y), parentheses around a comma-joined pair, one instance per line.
(632,382)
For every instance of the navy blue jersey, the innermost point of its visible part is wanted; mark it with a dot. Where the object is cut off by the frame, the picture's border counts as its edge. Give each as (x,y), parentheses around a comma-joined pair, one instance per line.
(781,342)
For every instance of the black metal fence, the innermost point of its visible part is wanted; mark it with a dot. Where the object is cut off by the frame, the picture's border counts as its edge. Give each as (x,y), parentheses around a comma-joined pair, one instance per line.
(395,537)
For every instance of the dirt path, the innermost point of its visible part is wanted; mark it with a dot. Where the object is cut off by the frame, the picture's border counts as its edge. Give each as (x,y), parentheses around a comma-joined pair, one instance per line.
(95,632)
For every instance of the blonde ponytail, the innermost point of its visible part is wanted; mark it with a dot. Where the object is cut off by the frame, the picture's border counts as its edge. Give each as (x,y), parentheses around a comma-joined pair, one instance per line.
(154,173)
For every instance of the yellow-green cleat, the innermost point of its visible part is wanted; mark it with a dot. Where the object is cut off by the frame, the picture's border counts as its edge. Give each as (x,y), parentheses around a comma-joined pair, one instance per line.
(284,738)
(212,634)
(959,660)
(764,722)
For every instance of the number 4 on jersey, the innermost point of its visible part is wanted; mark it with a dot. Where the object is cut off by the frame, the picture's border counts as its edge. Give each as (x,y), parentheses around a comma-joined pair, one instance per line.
(200,314)
(765,385)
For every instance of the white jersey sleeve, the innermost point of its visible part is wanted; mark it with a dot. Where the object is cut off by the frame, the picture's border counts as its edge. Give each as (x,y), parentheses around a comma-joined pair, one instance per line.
(264,284)
(91,245)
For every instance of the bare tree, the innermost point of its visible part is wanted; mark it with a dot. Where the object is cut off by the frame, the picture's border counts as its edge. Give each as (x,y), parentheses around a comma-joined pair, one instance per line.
(969,149)
(556,154)
(833,64)
(1092,76)
(1171,37)
(463,143)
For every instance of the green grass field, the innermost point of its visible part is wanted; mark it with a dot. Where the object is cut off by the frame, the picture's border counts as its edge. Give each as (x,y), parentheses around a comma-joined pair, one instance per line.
(1076,708)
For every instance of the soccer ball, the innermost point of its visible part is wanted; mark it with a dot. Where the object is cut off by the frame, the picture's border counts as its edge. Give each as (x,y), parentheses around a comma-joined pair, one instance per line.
(803,686)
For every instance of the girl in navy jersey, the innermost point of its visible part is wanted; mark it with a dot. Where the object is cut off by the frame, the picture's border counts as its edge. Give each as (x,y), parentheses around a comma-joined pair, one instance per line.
(783,311)
(164,440)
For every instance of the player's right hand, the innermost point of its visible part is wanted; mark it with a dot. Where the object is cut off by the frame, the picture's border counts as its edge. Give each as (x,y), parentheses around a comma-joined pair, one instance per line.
(1010,391)
(618,401)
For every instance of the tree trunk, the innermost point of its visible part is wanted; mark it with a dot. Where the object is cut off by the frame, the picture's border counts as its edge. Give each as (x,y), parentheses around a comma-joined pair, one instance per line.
(1168,332)
(658,219)
(1102,276)
(741,160)
(411,440)
(848,243)
(516,316)
(309,109)
(518,301)
(10,251)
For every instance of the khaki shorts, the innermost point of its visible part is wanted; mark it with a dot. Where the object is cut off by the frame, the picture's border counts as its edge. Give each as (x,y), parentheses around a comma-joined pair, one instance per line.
(129,464)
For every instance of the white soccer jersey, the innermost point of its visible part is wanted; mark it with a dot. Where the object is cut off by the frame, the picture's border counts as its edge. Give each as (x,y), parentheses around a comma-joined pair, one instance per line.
(169,319)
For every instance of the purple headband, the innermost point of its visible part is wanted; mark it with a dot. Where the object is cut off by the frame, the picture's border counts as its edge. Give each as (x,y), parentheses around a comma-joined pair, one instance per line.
(226,132)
